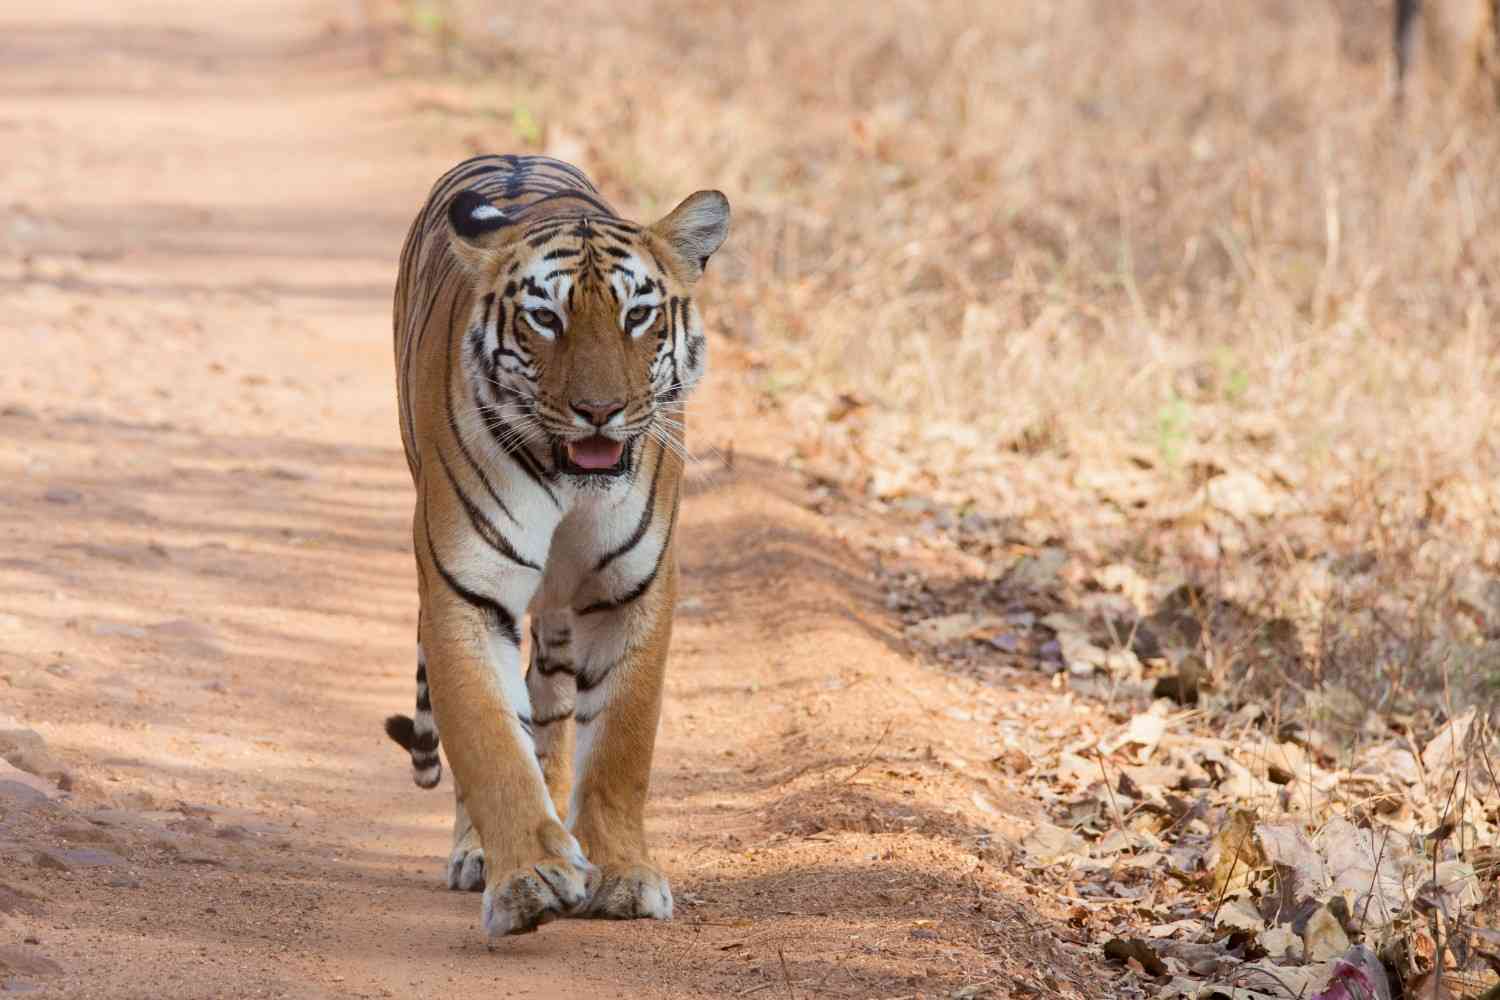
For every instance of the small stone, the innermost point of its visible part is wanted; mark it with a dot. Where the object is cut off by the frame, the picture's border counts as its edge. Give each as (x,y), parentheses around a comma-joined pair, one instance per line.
(85,833)
(118,628)
(62,495)
(182,628)
(86,857)
(924,934)
(51,862)
(1006,642)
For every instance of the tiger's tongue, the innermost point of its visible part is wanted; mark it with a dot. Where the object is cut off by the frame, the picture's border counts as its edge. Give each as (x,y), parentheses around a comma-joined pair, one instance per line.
(595,453)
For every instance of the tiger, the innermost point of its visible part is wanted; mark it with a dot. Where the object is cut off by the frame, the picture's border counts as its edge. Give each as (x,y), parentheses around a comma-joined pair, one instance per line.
(545,349)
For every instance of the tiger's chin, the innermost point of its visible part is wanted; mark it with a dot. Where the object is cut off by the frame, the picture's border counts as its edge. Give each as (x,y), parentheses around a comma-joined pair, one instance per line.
(594,456)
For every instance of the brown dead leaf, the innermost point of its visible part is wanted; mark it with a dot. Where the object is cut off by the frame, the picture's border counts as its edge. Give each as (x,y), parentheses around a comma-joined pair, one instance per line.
(952,628)
(1288,848)
(1144,732)
(1323,937)
(1241,495)
(1142,951)
(1446,748)
(1237,854)
(1047,843)
(1429,986)
(1239,914)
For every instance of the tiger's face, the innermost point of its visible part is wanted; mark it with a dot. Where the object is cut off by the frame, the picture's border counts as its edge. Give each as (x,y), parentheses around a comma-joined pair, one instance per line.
(584,337)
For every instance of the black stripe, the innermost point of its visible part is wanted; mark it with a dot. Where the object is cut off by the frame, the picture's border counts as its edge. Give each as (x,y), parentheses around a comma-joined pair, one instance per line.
(587,683)
(619,225)
(645,523)
(640,588)
(578,193)
(548,667)
(540,236)
(453,179)
(486,529)
(571,171)
(676,308)
(559,893)
(550,719)
(459,438)
(501,621)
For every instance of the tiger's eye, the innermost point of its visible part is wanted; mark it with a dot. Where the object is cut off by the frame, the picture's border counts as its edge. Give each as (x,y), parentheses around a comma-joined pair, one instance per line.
(546,318)
(637,315)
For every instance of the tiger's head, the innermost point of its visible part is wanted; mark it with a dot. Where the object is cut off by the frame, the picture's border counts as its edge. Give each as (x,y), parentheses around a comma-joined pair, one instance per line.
(584,337)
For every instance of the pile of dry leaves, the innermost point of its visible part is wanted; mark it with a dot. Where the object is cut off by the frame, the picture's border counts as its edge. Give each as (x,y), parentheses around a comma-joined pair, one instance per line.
(1247,867)
(1217,836)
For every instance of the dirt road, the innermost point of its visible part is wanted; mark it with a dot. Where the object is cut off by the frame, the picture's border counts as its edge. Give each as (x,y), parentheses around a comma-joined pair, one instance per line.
(207,597)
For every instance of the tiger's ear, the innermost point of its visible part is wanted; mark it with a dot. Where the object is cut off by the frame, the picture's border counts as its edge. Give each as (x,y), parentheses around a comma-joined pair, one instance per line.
(695,229)
(476,229)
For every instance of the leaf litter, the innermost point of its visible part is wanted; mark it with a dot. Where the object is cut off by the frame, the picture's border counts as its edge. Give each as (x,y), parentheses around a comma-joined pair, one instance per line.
(1231,823)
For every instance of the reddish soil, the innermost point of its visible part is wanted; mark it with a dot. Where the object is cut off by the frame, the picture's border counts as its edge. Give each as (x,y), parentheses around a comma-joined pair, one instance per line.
(208,593)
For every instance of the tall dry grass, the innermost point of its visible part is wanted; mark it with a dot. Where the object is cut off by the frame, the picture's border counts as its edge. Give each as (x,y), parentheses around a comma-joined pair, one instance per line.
(1072,262)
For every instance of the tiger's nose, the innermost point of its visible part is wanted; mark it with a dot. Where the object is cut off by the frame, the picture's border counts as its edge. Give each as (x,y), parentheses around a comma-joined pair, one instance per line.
(598,412)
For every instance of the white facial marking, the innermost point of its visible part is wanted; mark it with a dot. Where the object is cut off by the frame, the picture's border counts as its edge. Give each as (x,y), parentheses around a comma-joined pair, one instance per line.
(547,276)
(545,332)
(626,278)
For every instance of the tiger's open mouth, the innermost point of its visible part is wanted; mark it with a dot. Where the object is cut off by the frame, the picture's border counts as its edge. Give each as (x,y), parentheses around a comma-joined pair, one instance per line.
(592,456)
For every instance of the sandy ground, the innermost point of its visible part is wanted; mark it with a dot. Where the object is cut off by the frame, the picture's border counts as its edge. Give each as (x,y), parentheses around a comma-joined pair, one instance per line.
(207,595)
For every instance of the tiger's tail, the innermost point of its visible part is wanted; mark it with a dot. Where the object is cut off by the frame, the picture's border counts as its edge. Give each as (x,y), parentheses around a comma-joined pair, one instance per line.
(418,733)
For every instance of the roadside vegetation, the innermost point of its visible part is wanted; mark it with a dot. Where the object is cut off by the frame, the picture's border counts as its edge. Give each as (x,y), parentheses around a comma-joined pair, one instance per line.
(1164,345)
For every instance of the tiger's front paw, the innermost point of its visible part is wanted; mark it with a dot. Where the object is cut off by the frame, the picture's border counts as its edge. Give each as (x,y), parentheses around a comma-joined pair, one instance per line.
(630,892)
(522,900)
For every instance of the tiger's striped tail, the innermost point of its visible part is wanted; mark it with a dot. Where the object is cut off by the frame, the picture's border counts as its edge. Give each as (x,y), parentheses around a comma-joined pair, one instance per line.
(418,734)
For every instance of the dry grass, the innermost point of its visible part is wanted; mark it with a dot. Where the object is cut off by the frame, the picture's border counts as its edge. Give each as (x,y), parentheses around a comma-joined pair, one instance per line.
(1072,263)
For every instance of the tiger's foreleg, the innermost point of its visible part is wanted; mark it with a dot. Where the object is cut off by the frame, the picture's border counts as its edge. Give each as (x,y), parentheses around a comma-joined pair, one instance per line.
(551,683)
(533,868)
(622,666)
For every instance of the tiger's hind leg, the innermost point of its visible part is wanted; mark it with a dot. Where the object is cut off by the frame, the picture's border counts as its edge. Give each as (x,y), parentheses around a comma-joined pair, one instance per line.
(552,683)
(466,859)
(418,734)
